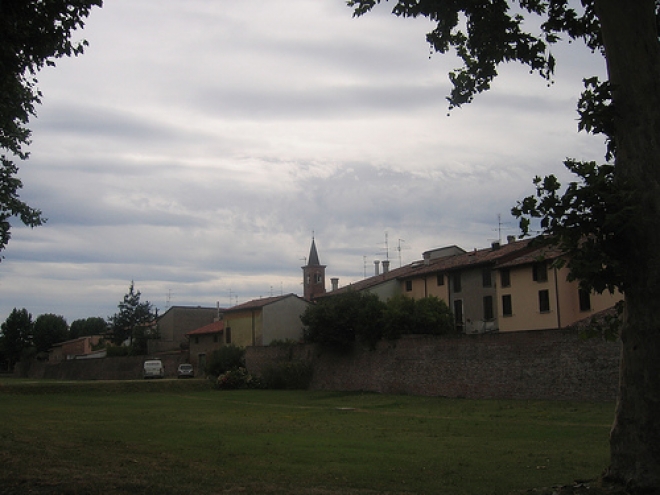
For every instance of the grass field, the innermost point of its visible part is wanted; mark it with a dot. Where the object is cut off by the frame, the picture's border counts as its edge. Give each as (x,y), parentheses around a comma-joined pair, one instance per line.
(179,437)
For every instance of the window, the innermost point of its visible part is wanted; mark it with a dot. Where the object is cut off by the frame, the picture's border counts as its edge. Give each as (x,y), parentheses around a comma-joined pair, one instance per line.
(505,277)
(408,285)
(458,315)
(441,279)
(540,272)
(585,300)
(507,308)
(196,340)
(486,278)
(544,301)
(228,335)
(457,281)
(488,308)
(318,278)
(215,337)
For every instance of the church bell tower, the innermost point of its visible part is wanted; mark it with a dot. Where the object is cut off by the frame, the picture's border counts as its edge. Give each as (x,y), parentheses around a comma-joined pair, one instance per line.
(313,275)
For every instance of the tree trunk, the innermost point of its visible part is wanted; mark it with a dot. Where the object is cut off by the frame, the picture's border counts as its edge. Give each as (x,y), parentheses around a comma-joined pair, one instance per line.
(632,51)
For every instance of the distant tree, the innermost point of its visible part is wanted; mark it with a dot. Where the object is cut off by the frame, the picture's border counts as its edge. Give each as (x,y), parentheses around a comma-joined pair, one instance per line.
(16,336)
(428,315)
(49,329)
(135,320)
(88,326)
(398,317)
(432,316)
(340,320)
(33,33)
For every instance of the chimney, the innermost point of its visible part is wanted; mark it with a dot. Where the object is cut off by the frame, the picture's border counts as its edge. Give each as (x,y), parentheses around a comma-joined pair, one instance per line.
(386,266)
(510,239)
(427,258)
(335,283)
(376,267)
(495,246)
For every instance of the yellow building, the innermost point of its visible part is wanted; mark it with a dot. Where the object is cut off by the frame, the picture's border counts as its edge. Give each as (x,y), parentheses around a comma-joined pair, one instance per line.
(261,321)
(533,294)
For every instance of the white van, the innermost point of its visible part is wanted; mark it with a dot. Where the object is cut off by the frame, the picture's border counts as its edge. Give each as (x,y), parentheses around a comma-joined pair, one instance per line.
(153,368)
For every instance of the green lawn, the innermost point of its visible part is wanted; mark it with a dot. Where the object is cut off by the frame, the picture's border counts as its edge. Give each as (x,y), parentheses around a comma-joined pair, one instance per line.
(174,437)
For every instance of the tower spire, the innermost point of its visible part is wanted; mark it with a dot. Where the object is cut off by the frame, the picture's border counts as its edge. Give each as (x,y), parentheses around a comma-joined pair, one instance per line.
(313,274)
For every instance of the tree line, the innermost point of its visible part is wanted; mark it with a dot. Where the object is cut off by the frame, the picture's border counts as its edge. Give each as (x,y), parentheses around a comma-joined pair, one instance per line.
(129,329)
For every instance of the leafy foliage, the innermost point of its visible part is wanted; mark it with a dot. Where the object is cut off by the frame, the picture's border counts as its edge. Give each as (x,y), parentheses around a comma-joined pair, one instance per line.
(33,33)
(135,321)
(49,329)
(338,321)
(227,358)
(88,326)
(16,336)
(587,221)
(485,34)
(405,316)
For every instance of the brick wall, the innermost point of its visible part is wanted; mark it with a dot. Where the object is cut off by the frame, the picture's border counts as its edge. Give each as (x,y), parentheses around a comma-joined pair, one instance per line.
(552,365)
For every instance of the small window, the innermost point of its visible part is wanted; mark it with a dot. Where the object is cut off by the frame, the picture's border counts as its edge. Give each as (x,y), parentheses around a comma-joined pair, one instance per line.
(540,272)
(228,335)
(408,285)
(441,279)
(585,300)
(487,280)
(196,340)
(457,281)
(215,337)
(507,308)
(505,277)
(488,308)
(318,278)
(544,301)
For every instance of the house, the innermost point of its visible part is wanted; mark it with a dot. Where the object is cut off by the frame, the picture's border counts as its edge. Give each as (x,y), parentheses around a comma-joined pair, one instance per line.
(489,290)
(176,322)
(261,321)
(535,294)
(80,348)
(465,281)
(203,341)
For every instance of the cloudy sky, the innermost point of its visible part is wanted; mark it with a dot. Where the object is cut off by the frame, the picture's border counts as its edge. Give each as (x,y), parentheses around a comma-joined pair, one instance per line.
(196,146)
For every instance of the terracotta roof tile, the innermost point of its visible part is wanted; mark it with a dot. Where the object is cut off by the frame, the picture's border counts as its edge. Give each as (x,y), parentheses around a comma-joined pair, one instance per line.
(215,327)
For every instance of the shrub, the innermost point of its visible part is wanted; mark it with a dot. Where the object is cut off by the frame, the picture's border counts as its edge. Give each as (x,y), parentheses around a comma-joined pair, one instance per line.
(291,375)
(237,378)
(225,359)
(338,321)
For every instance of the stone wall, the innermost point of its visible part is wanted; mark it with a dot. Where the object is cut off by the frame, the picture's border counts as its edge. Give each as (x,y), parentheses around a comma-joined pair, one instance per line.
(113,368)
(544,365)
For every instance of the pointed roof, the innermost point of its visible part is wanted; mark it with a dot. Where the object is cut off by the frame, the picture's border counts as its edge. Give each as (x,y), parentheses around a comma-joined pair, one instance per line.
(313,259)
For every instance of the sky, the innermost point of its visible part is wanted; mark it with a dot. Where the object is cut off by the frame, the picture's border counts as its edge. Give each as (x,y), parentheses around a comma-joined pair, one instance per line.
(197,147)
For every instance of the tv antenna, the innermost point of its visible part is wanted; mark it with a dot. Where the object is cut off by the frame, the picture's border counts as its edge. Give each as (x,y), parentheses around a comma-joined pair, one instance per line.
(399,248)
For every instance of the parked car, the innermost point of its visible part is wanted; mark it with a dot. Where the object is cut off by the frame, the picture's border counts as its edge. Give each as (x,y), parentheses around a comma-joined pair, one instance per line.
(153,368)
(185,371)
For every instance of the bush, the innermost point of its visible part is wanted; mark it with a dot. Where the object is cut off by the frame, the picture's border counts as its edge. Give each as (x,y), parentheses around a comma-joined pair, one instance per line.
(237,378)
(291,375)
(338,321)
(225,359)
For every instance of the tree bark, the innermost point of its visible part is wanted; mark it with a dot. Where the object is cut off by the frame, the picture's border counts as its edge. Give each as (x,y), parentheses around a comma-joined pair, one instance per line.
(632,50)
